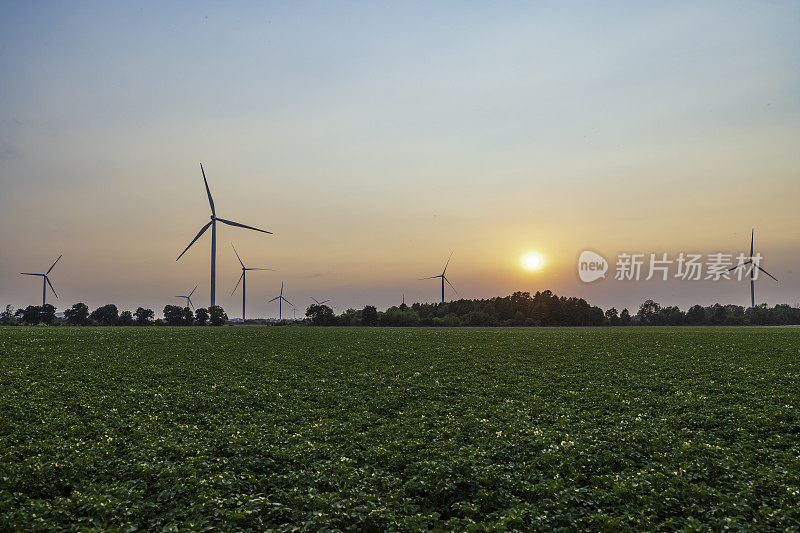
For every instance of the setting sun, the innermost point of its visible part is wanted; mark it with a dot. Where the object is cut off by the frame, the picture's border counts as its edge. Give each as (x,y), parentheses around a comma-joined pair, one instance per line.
(532,261)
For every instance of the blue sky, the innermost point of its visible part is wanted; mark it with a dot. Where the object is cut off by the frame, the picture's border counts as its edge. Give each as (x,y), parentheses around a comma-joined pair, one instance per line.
(375,138)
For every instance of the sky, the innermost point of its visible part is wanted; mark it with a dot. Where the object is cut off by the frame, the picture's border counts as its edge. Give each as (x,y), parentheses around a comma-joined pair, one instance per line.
(374,139)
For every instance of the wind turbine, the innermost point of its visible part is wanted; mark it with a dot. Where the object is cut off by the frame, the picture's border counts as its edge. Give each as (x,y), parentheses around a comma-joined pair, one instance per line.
(752,270)
(443,277)
(45,281)
(213,224)
(281,299)
(189,297)
(323,302)
(243,280)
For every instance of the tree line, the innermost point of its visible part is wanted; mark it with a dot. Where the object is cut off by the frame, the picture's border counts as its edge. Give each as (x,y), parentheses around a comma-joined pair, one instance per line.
(547,309)
(519,309)
(109,315)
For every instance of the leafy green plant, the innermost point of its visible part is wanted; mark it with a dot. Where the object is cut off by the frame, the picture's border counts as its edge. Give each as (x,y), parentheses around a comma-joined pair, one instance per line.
(464,429)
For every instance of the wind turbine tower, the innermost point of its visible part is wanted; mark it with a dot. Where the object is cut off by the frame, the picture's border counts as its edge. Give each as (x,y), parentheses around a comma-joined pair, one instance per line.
(281,299)
(45,281)
(243,280)
(188,297)
(444,279)
(754,266)
(213,224)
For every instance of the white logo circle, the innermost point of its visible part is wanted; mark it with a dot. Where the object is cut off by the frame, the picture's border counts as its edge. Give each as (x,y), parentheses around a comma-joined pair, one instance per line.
(591,266)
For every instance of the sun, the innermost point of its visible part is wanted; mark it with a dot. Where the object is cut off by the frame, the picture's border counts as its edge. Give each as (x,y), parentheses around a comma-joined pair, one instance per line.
(532,261)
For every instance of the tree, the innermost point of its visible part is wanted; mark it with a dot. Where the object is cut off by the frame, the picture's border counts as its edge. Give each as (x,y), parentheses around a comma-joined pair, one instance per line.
(188,316)
(671,316)
(478,318)
(612,317)
(625,317)
(217,315)
(320,315)
(696,315)
(350,317)
(449,320)
(77,315)
(781,314)
(47,315)
(718,315)
(126,318)
(758,315)
(7,317)
(30,315)
(107,315)
(173,315)
(369,316)
(201,316)
(143,316)
(648,313)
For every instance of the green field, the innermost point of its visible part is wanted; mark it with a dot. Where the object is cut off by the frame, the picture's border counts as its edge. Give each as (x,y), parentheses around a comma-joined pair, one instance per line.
(399,429)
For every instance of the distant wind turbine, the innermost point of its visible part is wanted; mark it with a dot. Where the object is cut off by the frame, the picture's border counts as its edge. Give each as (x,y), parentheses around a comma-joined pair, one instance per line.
(213,224)
(45,281)
(189,297)
(443,277)
(752,271)
(281,299)
(323,302)
(243,280)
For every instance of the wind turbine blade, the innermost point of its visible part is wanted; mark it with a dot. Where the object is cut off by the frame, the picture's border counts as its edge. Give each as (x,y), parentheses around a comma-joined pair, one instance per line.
(324,302)
(237,255)
(29,274)
(260,269)
(195,239)
(54,264)
(208,191)
(56,295)
(448,262)
(752,234)
(740,264)
(274,299)
(231,223)
(287,301)
(431,277)
(316,301)
(451,285)
(195,288)
(281,288)
(767,273)
(237,284)
(190,302)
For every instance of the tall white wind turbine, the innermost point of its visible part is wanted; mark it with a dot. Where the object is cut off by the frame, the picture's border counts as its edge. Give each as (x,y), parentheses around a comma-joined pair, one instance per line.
(45,281)
(443,278)
(243,280)
(281,299)
(754,266)
(188,297)
(213,225)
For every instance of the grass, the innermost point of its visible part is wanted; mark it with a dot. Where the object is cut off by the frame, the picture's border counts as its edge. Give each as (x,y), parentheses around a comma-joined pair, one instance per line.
(399,429)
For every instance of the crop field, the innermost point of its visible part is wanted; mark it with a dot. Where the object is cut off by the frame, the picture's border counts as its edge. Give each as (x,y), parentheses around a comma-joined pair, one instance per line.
(299,428)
